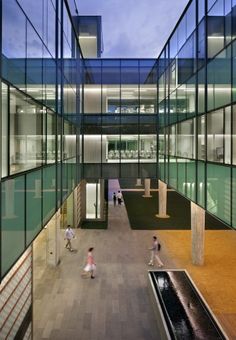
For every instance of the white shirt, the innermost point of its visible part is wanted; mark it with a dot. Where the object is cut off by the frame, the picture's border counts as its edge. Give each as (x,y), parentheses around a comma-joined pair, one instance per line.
(119,195)
(69,234)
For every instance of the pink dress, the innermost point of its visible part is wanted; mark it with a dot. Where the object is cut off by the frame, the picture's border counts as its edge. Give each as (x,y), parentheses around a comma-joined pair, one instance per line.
(90,263)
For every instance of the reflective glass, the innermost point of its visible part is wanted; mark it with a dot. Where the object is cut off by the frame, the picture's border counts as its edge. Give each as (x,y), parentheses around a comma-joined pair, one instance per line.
(33,205)
(12,221)
(49,192)
(218,196)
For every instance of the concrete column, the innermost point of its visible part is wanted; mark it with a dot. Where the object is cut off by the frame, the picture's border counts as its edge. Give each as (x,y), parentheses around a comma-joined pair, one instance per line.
(162,200)
(198,233)
(139,182)
(53,240)
(147,184)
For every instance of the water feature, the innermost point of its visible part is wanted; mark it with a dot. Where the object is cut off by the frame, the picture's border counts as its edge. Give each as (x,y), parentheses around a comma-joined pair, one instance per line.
(184,311)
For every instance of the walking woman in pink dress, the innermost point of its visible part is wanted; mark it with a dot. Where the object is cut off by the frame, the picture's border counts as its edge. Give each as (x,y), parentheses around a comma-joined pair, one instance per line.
(91,265)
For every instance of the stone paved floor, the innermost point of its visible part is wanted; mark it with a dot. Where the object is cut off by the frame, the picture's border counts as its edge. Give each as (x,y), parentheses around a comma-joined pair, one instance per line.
(116,304)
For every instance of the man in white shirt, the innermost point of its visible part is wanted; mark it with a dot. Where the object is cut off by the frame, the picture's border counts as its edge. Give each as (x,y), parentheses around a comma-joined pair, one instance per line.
(119,197)
(154,253)
(69,234)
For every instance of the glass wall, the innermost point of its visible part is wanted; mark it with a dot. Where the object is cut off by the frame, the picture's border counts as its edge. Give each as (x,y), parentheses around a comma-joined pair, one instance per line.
(119,117)
(196,92)
(39,115)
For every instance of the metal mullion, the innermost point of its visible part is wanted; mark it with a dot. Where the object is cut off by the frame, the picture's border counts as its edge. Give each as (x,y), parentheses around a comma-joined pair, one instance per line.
(206,105)
(120,125)
(157,120)
(231,126)
(101,119)
(196,106)
(62,99)
(139,103)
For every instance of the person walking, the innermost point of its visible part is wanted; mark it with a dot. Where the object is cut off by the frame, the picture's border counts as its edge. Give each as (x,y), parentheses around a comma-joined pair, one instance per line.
(90,265)
(119,197)
(69,234)
(114,198)
(154,253)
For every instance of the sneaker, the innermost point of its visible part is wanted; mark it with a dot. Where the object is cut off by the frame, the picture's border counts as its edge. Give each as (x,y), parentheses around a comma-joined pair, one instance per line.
(150,264)
(160,265)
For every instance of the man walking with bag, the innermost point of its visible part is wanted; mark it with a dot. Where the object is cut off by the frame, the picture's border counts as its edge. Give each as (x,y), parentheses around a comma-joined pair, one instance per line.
(154,253)
(69,234)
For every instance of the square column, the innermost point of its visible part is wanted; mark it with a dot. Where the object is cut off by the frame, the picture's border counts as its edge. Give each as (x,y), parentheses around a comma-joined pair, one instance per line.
(162,200)
(139,182)
(198,234)
(147,184)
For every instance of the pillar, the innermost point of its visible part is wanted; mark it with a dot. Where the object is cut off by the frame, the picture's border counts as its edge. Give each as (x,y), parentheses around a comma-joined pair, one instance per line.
(53,240)
(147,184)
(198,233)
(162,193)
(139,182)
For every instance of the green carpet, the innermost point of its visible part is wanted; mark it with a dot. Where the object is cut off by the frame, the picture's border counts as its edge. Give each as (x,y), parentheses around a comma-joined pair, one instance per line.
(141,212)
(94,225)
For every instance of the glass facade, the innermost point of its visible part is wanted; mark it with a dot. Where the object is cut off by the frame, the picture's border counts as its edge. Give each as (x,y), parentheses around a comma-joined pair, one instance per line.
(40,107)
(196,89)
(119,124)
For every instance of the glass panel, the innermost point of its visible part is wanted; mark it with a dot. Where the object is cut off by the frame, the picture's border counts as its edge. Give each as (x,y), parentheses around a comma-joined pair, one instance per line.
(111,99)
(215,140)
(4,123)
(219,80)
(173,172)
(185,139)
(92,99)
(234,135)
(13,221)
(181,175)
(92,149)
(129,148)
(49,192)
(129,99)
(227,146)
(33,205)
(201,183)
(234,197)
(51,138)
(191,180)
(201,9)
(147,149)
(69,145)
(148,97)
(201,137)
(34,65)
(26,133)
(215,28)
(13,43)
(201,91)
(218,196)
